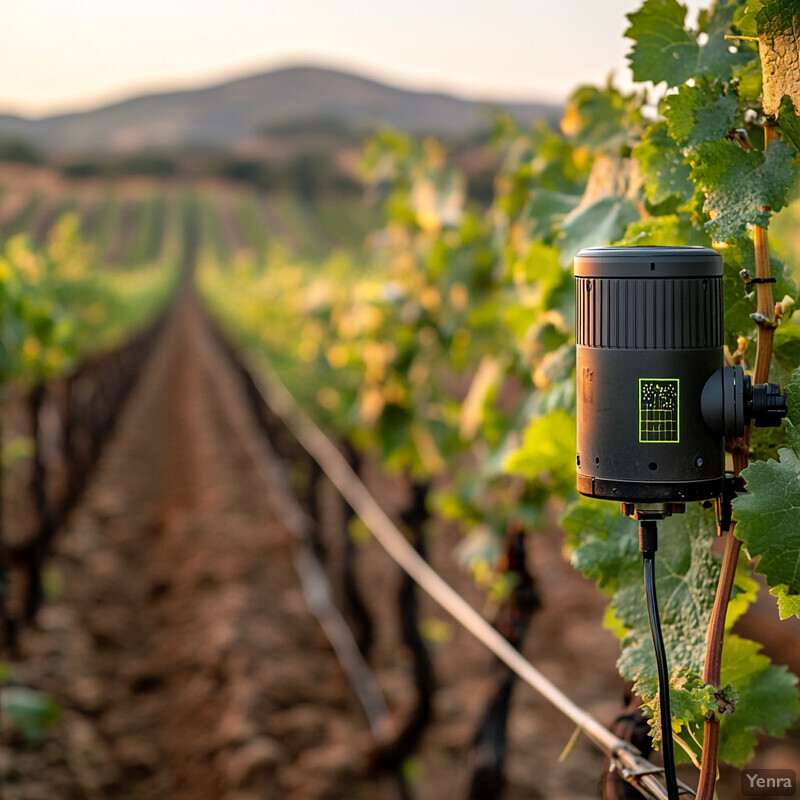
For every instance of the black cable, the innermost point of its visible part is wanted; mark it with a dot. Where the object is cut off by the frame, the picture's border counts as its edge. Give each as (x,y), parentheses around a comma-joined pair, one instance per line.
(648,544)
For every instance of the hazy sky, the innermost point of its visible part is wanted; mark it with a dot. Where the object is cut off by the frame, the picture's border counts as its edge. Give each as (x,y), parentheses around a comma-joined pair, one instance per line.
(70,54)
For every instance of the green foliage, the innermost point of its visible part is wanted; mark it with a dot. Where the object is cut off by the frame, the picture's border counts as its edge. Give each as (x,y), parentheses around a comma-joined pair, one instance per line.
(767,514)
(687,577)
(601,119)
(664,170)
(739,184)
(546,452)
(664,50)
(699,113)
(789,122)
(603,221)
(788,601)
(787,346)
(664,230)
(766,699)
(448,350)
(56,306)
(605,548)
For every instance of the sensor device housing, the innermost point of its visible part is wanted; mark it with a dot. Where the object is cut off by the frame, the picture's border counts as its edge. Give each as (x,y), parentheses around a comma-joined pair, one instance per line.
(649,333)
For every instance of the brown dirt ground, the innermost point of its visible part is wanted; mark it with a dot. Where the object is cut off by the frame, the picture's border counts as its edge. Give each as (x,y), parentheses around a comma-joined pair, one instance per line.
(186,663)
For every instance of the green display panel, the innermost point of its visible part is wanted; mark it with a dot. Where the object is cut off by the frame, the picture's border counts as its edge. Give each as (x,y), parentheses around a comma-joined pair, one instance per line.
(658,410)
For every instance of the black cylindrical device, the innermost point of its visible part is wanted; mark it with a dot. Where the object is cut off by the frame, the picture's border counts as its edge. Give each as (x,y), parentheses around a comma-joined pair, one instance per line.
(649,331)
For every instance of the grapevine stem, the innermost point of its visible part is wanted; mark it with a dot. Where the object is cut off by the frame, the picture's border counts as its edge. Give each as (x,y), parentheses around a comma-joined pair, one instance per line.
(740,449)
(716,628)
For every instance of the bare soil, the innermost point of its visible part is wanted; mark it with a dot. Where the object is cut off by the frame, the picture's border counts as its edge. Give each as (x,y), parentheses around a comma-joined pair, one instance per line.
(179,646)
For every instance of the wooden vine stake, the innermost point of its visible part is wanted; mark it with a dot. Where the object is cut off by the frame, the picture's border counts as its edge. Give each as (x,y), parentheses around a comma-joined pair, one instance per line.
(740,450)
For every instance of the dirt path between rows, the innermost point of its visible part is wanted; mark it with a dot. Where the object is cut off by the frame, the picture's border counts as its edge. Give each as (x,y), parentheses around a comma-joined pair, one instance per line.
(179,645)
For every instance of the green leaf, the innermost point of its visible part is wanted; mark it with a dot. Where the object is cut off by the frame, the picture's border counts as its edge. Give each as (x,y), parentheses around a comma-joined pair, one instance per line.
(778,23)
(547,452)
(669,229)
(757,695)
(767,699)
(690,701)
(686,578)
(717,60)
(605,544)
(607,550)
(744,592)
(663,49)
(745,18)
(789,122)
(768,515)
(788,602)
(739,184)
(786,346)
(699,113)
(768,512)
(545,208)
(665,173)
(600,223)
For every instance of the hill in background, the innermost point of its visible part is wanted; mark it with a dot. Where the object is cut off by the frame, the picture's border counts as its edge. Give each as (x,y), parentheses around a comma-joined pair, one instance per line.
(240,114)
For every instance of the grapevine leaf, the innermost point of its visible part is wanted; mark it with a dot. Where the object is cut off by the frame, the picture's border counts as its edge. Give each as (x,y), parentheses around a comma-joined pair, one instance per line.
(792,392)
(669,229)
(744,593)
(602,222)
(606,548)
(778,23)
(767,514)
(786,345)
(767,699)
(788,602)
(604,544)
(740,183)
(546,452)
(717,60)
(699,113)
(687,575)
(663,49)
(789,122)
(545,208)
(690,701)
(760,696)
(745,18)
(664,171)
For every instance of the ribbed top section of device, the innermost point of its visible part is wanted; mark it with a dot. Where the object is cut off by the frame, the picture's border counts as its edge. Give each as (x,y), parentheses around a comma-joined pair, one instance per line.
(648,298)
